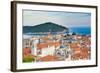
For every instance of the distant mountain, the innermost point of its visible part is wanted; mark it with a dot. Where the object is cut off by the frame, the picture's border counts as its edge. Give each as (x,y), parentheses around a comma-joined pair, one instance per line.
(45,27)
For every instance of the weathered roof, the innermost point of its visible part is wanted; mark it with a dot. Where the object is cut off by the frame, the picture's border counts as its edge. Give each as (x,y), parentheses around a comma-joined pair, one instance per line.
(49,58)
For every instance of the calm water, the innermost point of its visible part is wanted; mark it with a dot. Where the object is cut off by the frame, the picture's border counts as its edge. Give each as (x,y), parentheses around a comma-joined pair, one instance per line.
(78,30)
(81,30)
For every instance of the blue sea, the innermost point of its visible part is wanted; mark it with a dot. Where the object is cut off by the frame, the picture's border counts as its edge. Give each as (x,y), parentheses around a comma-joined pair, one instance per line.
(81,30)
(77,30)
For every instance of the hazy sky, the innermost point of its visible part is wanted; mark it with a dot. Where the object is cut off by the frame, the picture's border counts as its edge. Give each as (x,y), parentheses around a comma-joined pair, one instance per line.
(68,19)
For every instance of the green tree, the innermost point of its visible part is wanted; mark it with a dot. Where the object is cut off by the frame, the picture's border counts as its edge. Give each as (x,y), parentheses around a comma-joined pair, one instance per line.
(28,59)
(73,33)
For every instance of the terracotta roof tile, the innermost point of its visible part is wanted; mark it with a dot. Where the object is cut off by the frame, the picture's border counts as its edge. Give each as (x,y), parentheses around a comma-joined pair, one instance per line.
(42,45)
(49,58)
(26,51)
